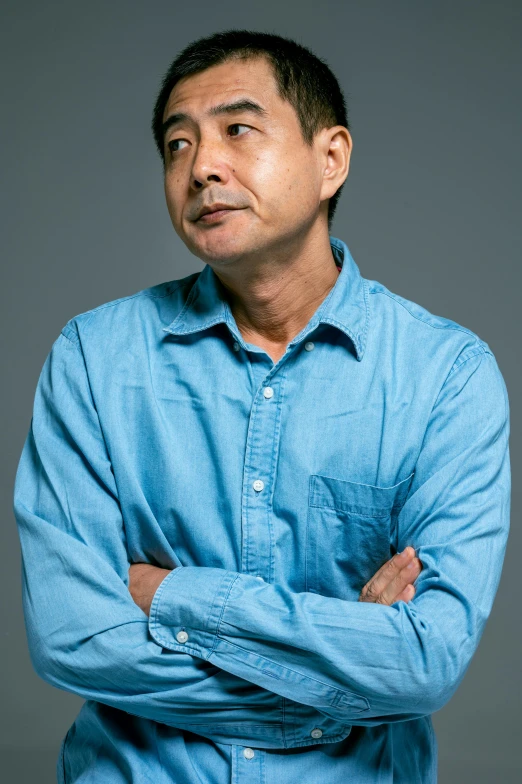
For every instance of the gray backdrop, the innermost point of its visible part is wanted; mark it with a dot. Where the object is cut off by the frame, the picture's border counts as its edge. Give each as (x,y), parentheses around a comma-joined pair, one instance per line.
(431,208)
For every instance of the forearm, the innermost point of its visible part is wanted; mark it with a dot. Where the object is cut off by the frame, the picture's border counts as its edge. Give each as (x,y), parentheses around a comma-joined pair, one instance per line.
(85,633)
(354,662)
(94,642)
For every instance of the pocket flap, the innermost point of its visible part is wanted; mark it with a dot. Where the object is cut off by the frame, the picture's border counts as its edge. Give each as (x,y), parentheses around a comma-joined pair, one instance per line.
(371,500)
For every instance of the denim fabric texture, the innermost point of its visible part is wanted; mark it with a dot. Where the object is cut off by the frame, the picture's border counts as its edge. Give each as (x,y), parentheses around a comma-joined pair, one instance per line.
(273,491)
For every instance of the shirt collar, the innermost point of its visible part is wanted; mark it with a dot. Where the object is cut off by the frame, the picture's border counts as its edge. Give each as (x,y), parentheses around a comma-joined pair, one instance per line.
(345,307)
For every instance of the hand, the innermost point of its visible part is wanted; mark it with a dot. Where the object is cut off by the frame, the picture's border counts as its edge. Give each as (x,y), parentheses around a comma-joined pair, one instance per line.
(394,580)
(144,580)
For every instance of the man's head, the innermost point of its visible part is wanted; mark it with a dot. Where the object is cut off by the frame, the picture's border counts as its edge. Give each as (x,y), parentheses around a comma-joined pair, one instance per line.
(257,122)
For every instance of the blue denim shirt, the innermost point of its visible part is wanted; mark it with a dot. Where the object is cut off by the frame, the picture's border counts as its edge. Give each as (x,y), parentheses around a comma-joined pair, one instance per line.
(273,491)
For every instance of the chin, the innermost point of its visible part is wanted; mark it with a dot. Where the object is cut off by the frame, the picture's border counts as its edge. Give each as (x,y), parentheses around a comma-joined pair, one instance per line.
(220,244)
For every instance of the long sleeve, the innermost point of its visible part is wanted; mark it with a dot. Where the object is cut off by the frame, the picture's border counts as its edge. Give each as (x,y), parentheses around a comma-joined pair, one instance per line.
(85,633)
(368,663)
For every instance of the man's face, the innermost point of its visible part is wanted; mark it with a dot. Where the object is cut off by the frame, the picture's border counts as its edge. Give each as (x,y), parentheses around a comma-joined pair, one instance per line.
(258,163)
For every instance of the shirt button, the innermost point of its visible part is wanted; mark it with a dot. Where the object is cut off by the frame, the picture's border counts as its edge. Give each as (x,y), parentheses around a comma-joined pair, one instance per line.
(258,484)
(316,733)
(309,346)
(236,346)
(182,637)
(268,392)
(258,577)
(248,753)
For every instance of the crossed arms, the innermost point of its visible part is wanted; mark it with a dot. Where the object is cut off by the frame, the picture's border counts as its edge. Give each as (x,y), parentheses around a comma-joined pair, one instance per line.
(251,643)
(393,582)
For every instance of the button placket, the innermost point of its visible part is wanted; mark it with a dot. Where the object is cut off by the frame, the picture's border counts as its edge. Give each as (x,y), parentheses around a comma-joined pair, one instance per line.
(248,765)
(258,477)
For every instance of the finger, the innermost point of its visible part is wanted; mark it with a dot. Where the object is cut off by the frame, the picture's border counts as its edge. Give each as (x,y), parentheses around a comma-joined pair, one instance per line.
(386,573)
(406,595)
(388,595)
(406,576)
(388,570)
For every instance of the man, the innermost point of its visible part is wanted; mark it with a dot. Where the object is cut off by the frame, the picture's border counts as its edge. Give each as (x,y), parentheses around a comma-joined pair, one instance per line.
(232,480)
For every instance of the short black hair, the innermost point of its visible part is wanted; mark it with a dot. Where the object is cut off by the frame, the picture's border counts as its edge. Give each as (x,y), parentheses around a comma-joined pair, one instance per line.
(303,79)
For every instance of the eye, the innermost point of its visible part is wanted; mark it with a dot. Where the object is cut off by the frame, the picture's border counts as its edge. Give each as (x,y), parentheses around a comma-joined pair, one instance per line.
(238,125)
(172,142)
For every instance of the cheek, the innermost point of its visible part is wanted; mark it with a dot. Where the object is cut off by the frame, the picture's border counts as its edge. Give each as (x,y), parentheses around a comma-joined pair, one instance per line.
(172,190)
(278,182)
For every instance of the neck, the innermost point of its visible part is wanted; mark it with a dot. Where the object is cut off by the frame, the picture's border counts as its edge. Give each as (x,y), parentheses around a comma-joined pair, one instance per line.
(272,299)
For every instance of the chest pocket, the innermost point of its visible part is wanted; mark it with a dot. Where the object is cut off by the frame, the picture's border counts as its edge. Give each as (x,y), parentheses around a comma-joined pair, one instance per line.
(349,533)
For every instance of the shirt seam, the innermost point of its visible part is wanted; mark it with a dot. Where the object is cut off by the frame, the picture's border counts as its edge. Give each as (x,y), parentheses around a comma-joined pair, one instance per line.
(121,300)
(462,358)
(156,599)
(62,756)
(142,293)
(468,354)
(72,340)
(223,606)
(337,692)
(240,726)
(457,328)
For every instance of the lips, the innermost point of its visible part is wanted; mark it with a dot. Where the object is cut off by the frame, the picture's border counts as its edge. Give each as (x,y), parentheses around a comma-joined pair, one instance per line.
(217,213)
(218,209)
(210,210)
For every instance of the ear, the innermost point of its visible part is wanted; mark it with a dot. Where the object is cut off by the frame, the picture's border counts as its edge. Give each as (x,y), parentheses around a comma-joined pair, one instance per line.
(335,148)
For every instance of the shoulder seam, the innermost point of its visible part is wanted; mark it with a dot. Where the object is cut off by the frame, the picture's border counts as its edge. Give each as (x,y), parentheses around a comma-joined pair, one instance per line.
(120,300)
(463,358)
(423,321)
(70,335)
(471,352)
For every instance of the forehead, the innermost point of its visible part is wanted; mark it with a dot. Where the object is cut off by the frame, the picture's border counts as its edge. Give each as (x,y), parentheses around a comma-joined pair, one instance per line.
(253,78)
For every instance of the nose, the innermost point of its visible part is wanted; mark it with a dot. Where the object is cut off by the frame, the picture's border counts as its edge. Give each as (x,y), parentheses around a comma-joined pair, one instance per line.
(208,166)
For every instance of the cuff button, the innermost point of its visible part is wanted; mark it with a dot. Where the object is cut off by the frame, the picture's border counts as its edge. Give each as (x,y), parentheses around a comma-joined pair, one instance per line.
(317,733)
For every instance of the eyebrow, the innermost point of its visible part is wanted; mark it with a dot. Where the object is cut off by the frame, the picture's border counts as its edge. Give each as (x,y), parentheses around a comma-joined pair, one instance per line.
(241,105)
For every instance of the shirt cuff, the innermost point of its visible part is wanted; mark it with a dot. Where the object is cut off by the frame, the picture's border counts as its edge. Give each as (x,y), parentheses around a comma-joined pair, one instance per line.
(187,607)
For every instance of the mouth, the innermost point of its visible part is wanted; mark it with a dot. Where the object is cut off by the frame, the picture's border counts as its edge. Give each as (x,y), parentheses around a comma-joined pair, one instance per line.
(216,215)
